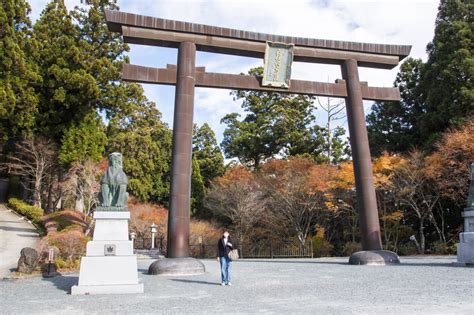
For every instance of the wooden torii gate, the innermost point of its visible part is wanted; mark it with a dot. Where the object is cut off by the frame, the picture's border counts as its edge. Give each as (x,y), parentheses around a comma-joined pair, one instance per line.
(189,37)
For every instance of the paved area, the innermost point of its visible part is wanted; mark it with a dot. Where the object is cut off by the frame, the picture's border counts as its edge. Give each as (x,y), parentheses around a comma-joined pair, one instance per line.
(15,233)
(421,285)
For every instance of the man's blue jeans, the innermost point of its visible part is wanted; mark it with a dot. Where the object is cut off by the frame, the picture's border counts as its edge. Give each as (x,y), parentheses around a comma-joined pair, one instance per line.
(225,269)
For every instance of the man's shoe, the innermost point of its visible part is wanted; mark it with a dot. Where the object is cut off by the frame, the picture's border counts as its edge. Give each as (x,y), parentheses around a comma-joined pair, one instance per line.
(223,283)
(229,283)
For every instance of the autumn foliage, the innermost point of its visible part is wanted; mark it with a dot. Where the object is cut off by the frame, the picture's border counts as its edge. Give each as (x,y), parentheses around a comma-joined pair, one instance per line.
(297,199)
(449,164)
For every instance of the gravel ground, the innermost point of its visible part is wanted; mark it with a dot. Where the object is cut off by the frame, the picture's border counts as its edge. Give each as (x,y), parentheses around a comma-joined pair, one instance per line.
(421,285)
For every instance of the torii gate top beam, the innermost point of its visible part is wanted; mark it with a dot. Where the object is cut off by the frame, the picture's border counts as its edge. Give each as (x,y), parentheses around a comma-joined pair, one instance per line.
(139,29)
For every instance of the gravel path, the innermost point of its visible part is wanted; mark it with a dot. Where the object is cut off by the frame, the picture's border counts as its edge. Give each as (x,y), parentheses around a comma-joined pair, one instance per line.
(15,233)
(421,285)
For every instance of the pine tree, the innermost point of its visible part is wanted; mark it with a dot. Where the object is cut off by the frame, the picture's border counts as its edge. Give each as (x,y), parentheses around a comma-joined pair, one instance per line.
(395,126)
(106,54)
(207,153)
(68,91)
(448,80)
(18,72)
(84,140)
(275,124)
(145,142)
(197,189)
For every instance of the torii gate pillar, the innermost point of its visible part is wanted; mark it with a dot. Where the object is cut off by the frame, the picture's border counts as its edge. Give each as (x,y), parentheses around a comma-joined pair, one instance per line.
(178,260)
(372,253)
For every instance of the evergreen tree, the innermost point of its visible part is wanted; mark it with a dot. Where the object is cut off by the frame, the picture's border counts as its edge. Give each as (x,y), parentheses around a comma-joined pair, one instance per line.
(83,140)
(338,148)
(106,55)
(275,124)
(68,91)
(197,188)
(395,126)
(207,153)
(448,79)
(145,142)
(18,72)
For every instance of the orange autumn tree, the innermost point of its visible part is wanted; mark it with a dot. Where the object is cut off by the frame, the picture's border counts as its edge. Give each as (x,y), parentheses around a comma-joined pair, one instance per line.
(416,193)
(449,164)
(298,194)
(143,215)
(390,213)
(343,187)
(236,199)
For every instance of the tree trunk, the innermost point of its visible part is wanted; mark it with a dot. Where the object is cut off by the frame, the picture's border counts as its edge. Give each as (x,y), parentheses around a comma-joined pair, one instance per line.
(301,238)
(37,192)
(79,206)
(59,202)
(329,139)
(49,206)
(422,236)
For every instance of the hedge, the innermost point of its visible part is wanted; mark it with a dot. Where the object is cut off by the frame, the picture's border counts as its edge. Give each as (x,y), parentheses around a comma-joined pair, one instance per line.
(31,212)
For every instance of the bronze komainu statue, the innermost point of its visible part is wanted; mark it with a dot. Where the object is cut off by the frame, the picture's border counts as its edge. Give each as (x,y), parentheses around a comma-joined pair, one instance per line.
(113,186)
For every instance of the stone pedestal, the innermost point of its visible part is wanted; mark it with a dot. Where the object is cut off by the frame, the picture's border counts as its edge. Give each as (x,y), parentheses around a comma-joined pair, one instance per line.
(109,267)
(465,251)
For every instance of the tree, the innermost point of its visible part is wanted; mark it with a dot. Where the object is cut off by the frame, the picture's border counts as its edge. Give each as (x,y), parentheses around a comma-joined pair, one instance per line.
(336,148)
(106,54)
(415,192)
(68,91)
(236,199)
(447,80)
(83,183)
(18,72)
(207,153)
(449,164)
(84,140)
(275,124)
(82,145)
(145,142)
(395,126)
(197,188)
(297,188)
(33,159)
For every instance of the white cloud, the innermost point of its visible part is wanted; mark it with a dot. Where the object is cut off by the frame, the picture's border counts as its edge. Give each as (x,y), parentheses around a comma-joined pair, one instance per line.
(409,22)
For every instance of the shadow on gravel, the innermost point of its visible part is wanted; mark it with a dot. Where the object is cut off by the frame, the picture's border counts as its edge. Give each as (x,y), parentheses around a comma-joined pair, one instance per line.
(63,283)
(450,265)
(196,281)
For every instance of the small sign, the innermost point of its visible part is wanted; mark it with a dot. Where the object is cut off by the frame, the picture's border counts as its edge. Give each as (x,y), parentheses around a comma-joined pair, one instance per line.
(51,254)
(277,66)
(109,249)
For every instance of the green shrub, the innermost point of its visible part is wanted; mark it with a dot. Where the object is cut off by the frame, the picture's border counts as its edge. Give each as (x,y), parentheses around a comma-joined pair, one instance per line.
(406,249)
(321,246)
(350,248)
(31,212)
(439,247)
(67,265)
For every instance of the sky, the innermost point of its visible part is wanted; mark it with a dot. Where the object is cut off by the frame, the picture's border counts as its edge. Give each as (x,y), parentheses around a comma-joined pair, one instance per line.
(405,22)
